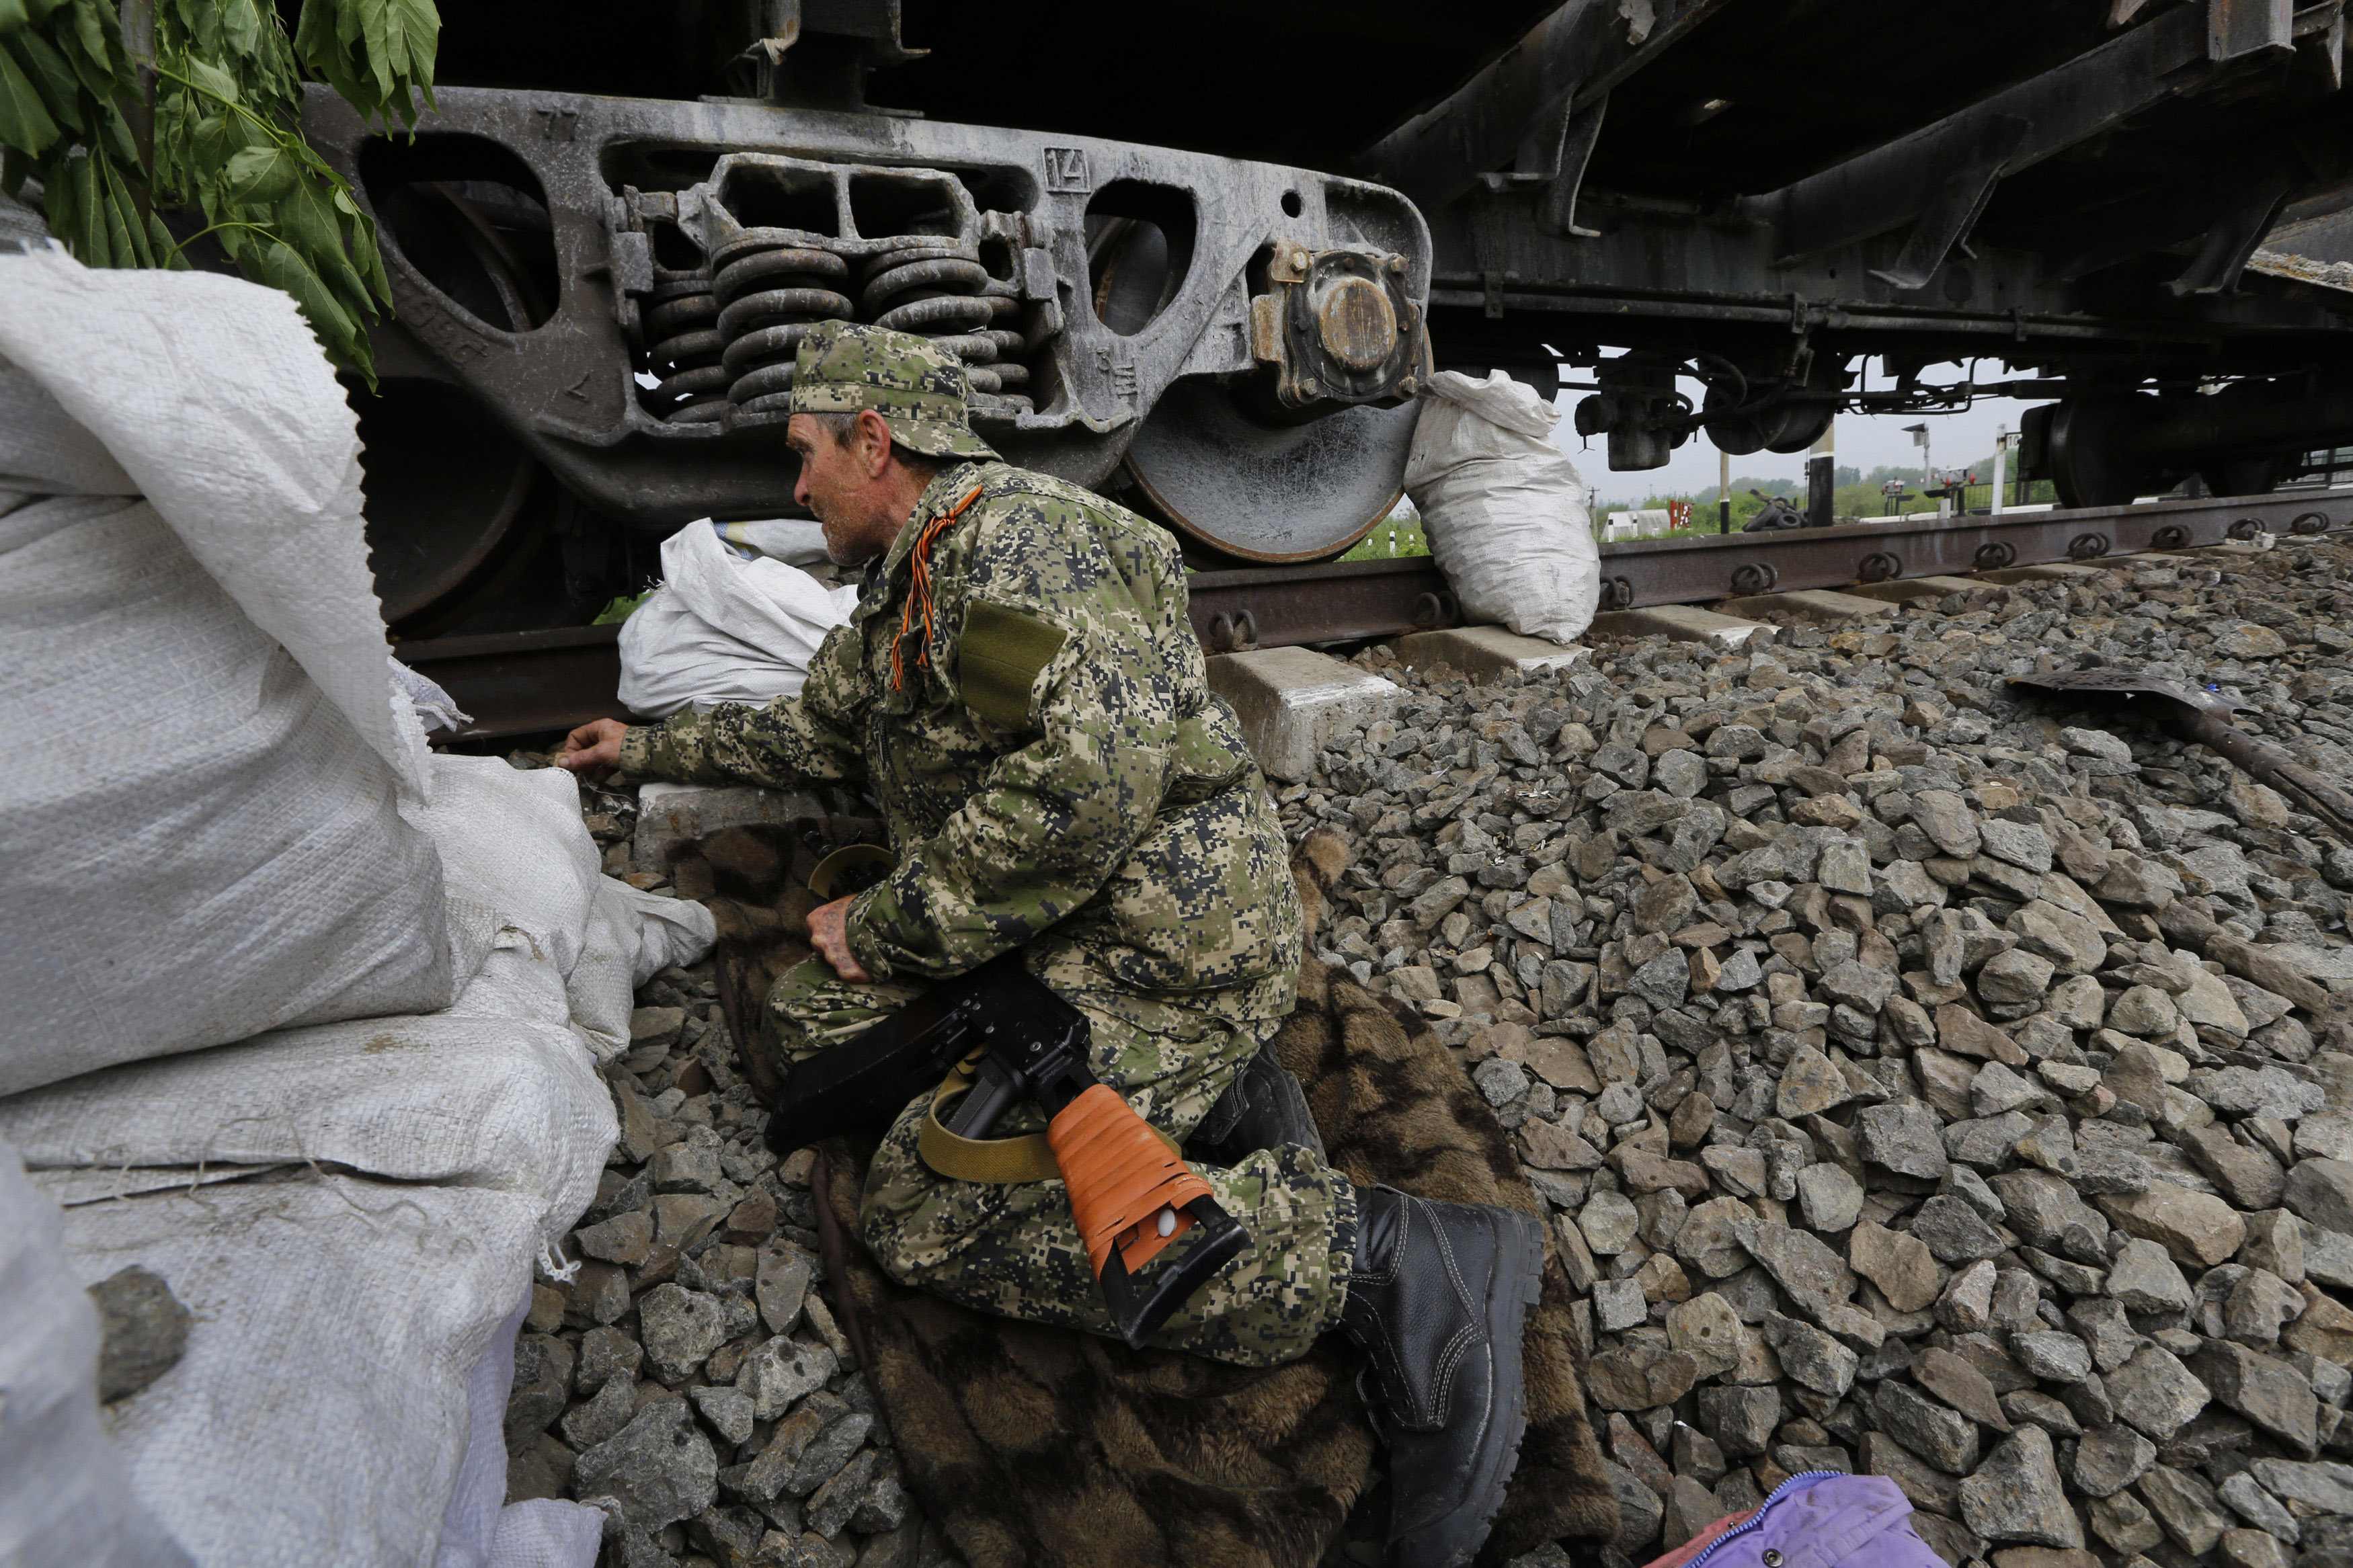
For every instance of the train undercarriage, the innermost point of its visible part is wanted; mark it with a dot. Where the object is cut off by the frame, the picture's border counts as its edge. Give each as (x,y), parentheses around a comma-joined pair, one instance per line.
(1206,267)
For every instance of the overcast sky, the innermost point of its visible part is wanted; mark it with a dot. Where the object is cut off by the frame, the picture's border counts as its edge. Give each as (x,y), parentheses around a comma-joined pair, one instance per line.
(1864,441)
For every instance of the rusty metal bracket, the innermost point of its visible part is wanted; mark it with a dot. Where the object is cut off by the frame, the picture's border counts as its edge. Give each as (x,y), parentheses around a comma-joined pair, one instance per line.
(1953,211)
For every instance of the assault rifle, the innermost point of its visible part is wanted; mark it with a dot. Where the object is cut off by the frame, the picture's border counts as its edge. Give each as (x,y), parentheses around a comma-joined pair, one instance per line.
(1131,1192)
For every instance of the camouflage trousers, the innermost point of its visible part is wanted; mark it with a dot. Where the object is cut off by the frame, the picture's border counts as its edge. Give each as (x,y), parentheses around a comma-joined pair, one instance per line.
(1013,1249)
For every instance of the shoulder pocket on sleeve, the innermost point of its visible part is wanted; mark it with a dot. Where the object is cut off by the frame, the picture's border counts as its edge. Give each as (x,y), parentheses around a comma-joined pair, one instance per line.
(999,659)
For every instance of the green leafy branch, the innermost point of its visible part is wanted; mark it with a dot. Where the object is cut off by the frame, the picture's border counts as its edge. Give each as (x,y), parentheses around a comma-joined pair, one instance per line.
(220,103)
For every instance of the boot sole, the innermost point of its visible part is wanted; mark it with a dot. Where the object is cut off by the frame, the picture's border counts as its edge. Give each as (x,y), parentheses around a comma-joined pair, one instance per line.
(1521,1247)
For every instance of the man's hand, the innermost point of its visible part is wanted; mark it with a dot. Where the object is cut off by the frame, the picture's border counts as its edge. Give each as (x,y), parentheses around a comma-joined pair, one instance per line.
(595,744)
(829,934)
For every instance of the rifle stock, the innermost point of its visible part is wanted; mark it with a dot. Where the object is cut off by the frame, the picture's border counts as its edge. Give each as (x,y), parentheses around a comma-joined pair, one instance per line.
(1130,1193)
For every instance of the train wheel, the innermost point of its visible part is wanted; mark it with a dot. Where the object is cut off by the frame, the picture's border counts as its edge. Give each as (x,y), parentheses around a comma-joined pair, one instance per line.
(2092,452)
(1268,492)
(444,484)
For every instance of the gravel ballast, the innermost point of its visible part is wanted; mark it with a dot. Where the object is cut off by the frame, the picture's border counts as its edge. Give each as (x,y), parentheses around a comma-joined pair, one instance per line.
(1922,1083)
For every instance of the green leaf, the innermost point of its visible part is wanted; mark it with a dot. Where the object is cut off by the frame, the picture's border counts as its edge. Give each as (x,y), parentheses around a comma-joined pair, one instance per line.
(100,38)
(46,69)
(89,214)
(25,123)
(216,83)
(240,27)
(368,261)
(378,27)
(95,52)
(322,40)
(216,140)
(166,249)
(261,174)
(306,220)
(277,265)
(18,15)
(417,30)
(126,231)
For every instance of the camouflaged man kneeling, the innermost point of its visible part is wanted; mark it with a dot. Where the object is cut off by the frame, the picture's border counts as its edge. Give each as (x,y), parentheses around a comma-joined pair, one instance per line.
(1020,691)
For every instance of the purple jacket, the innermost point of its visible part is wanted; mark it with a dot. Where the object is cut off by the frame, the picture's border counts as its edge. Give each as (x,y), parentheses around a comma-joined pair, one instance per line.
(1820,1518)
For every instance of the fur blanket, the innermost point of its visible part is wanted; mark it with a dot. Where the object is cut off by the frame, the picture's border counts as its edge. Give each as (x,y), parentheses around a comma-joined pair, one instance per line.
(1033,1446)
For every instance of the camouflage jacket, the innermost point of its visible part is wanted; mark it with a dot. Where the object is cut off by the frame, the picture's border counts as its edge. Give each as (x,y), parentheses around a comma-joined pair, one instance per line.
(1053,766)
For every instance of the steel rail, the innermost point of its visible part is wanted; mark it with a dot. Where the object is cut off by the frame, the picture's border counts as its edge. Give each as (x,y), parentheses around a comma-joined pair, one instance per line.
(1232,611)
(522,683)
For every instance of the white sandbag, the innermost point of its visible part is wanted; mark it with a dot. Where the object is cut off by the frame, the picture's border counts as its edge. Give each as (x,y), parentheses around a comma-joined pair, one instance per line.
(479,1529)
(1508,520)
(512,838)
(199,834)
(195,845)
(508,1103)
(496,1090)
(793,541)
(64,1495)
(215,397)
(724,629)
(381,1444)
(321,1411)
(632,935)
(546,1532)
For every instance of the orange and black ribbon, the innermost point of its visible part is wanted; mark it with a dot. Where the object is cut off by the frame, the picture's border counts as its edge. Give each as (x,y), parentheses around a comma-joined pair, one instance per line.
(919,591)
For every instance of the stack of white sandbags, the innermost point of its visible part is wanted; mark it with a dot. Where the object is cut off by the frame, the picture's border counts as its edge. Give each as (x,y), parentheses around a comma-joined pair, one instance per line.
(300,1018)
(725,628)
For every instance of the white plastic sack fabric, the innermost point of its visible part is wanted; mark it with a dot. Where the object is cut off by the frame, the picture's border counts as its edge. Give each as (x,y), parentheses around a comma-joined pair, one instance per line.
(632,935)
(508,1103)
(199,832)
(434,707)
(724,629)
(513,839)
(428,1158)
(793,541)
(479,1529)
(216,399)
(321,1411)
(1508,520)
(64,1498)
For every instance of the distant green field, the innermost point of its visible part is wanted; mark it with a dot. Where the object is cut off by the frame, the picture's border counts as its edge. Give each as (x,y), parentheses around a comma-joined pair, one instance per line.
(1400,533)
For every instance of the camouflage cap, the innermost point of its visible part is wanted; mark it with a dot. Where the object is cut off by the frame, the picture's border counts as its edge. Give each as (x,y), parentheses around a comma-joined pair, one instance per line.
(917,386)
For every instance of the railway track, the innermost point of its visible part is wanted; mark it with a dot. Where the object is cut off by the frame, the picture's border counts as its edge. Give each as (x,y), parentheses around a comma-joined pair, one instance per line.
(524,683)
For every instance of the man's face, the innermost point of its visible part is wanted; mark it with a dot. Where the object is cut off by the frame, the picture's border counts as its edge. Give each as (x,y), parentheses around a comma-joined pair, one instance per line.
(843,484)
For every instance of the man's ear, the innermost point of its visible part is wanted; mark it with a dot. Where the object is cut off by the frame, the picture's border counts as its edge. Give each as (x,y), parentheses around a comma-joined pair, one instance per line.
(874,442)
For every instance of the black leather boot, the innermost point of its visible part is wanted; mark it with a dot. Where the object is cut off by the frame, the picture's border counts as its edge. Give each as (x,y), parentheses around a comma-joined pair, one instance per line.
(1436,1298)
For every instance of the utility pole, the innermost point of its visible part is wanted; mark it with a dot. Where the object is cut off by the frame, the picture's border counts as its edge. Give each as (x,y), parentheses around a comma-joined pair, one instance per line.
(1919,433)
(2001,463)
(1821,477)
(1724,492)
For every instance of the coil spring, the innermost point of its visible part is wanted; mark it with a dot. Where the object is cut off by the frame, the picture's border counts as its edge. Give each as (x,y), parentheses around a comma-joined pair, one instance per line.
(937,288)
(683,348)
(771,287)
